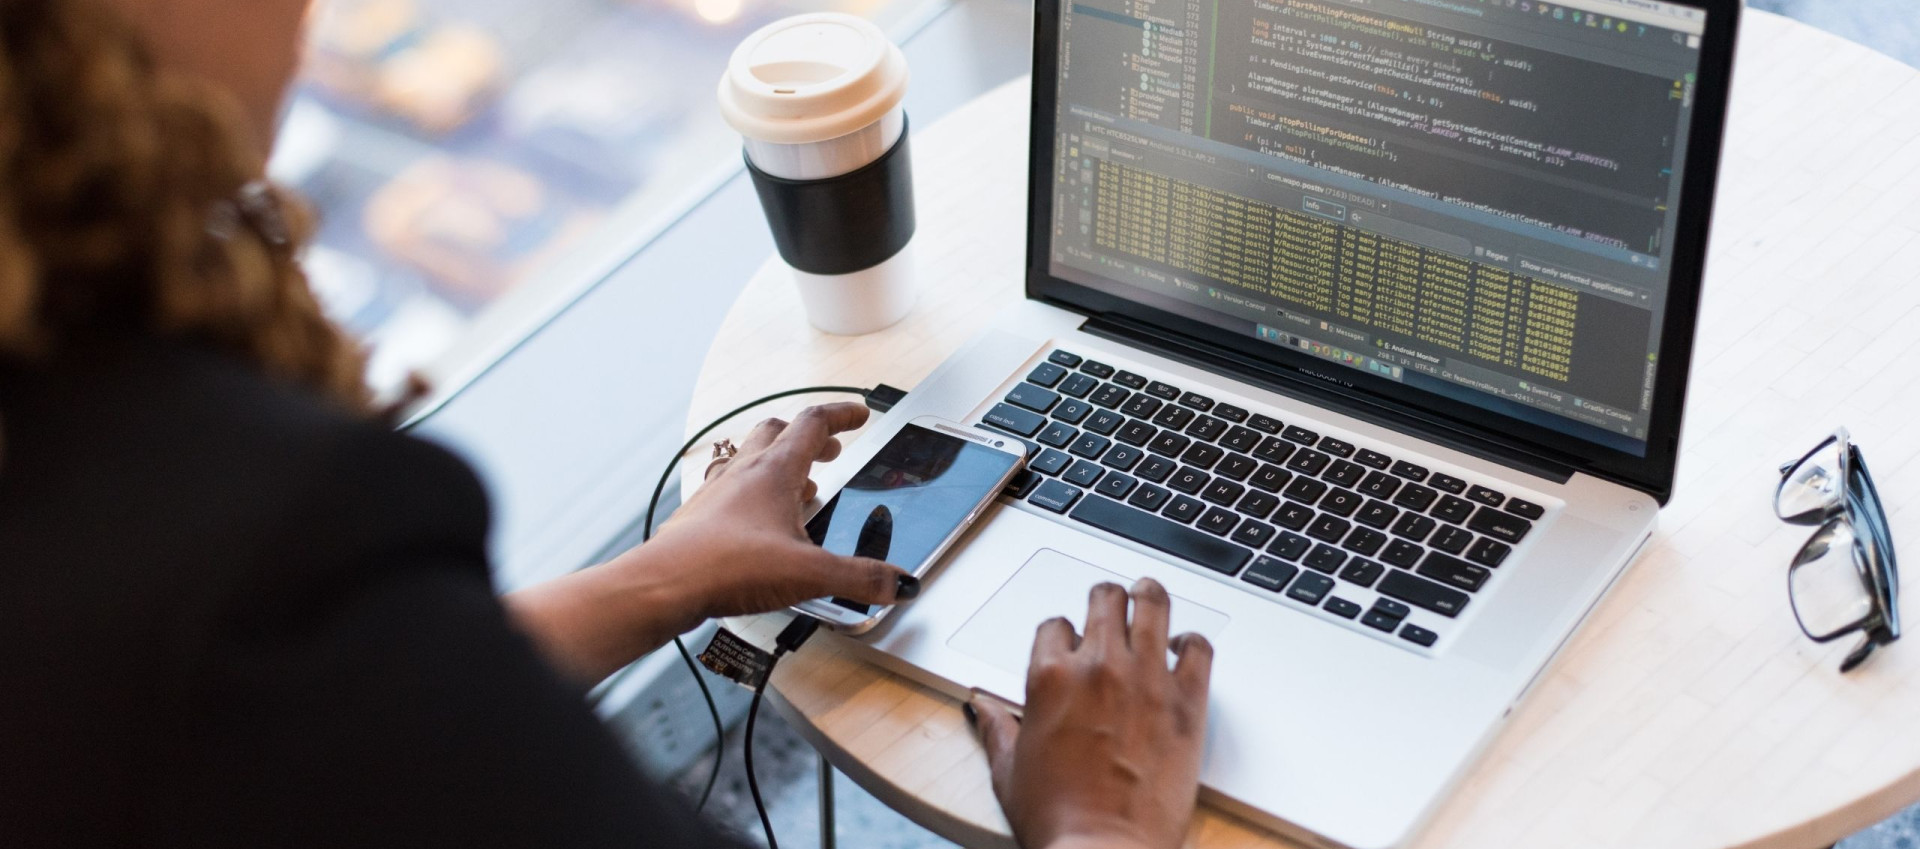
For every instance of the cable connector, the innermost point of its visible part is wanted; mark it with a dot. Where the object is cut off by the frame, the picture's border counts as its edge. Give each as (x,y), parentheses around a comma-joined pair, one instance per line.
(883,398)
(795,634)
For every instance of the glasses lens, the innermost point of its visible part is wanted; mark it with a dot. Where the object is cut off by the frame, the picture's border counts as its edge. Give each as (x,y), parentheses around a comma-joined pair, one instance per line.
(1813,487)
(1830,595)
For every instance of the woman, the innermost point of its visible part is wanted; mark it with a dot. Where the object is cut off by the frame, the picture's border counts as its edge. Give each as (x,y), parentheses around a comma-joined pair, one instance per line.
(236,610)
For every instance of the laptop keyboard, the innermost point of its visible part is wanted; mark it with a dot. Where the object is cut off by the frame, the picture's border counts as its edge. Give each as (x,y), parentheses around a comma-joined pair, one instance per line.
(1286,511)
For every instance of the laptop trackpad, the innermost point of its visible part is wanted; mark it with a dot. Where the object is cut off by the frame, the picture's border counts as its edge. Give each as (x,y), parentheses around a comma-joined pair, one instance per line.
(1053,584)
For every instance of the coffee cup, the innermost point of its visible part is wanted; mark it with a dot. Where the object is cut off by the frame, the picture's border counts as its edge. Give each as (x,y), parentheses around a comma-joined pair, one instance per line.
(817,100)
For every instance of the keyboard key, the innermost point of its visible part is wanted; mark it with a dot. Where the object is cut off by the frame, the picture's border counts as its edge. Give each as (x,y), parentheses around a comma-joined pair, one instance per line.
(1273,450)
(1504,527)
(1264,424)
(1379,621)
(1258,504)
(1416,497)
(1202,455)
(1217,521)
(1296,433)
(1270,478)
(1365,542)
(1054,495)
(1104,422)
(1116,485)
(1230,412)
(1173,418)
(1305,490)
(1109,396)
(1325,557)
(1289,546)
(1149,497)
(1050,462)
(1189,480)
(1254,534)
(1310,588)
(1489,552)
(1046,374)
(1344,473)
(1242,439)
(1391,608)
(1072,411)
(1453,571)
(1206,428)
(1329,528)
(1163,391)
(1291,515)
(1077,386)
(1123,457)
(1451,540)
(1372,458)
(1336,447)
(1097,369)
(1342,608)
(1362,572)
(1236,467)
(1223,492)
(1269,574)
(1021,485)
(1341,502)
(1380,485)
(1410,471)
(1423,593)
(1090,446)
(1402,554)
(1156,468)
(1455,510)
(1130,380)
(1062,358)
(1417,635)
(1414,526)
(1161,535)
(1169,444)
(1308,461)
(1485,496)
(1376,514)
(1525,509)
(1184,509)
(1196,401)
(1083,473)
(1058,435)
(1142,406)
(1135,432)
(1014,420)
(1447,483)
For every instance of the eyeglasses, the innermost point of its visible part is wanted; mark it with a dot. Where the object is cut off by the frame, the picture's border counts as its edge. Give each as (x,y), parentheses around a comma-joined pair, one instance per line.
(1844,580)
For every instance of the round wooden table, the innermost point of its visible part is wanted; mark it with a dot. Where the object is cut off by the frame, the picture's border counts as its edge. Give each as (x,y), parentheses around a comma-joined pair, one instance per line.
(1689,710)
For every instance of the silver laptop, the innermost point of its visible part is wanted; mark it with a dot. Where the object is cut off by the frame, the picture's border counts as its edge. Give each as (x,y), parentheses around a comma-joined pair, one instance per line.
(1361,325)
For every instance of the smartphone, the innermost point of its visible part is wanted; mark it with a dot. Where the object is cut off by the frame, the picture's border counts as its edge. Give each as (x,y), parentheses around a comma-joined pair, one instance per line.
(909,503)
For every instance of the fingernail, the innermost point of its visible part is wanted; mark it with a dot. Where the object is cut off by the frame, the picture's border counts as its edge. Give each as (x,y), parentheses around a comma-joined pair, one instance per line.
(908,587)
(973,717)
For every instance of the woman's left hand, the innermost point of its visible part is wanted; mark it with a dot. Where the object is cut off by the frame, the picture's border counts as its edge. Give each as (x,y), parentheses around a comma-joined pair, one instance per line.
(745,528)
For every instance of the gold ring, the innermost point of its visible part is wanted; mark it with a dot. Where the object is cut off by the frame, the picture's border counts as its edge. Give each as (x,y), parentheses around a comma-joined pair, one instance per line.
(725,449)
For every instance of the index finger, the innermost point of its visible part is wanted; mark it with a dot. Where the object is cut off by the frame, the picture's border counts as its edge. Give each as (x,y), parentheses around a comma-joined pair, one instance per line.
(806,439)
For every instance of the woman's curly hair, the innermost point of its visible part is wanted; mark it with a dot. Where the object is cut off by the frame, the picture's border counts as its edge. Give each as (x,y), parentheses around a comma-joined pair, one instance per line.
(122,211)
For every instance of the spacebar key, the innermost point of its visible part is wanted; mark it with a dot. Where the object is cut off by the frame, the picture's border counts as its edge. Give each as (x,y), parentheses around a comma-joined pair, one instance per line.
(1157,533)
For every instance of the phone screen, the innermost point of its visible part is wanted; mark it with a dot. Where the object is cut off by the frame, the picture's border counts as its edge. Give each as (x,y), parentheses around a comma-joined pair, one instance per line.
(908,499)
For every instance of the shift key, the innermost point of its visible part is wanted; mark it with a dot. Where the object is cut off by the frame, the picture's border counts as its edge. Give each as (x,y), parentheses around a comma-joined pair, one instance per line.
(1422,593)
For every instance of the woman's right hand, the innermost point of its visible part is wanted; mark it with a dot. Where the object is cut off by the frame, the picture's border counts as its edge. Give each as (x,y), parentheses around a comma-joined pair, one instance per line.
(1108,750)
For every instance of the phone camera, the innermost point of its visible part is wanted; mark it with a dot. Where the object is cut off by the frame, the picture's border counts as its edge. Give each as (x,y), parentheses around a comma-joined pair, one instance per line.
(999,443)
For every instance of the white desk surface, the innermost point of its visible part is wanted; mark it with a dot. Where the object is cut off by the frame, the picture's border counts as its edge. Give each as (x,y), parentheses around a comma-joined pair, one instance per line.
(1689,711)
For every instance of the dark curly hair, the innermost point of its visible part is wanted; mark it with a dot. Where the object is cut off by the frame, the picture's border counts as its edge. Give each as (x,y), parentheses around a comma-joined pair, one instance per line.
(130,203)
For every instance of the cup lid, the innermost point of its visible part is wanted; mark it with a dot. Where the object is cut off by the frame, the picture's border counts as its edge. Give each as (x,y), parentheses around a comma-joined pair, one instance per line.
(810,78)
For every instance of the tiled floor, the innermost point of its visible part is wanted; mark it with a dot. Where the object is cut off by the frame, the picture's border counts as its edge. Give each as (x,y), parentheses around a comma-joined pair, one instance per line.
(787,765)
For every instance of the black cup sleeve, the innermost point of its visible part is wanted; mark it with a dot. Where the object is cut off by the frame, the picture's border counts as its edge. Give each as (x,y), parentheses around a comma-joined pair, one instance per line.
(841,224)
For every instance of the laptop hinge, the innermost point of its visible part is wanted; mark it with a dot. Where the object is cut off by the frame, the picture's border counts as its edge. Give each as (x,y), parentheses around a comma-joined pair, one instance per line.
(1241,367)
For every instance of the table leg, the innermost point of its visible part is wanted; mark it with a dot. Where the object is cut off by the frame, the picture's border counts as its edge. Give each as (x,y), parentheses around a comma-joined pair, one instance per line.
(826,804)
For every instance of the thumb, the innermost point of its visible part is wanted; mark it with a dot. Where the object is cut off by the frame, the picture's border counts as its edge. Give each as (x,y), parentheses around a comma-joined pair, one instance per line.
(999,731)
(864,579)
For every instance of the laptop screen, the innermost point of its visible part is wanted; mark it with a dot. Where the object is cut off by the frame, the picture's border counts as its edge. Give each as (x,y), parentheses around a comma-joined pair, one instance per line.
(1474,198)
